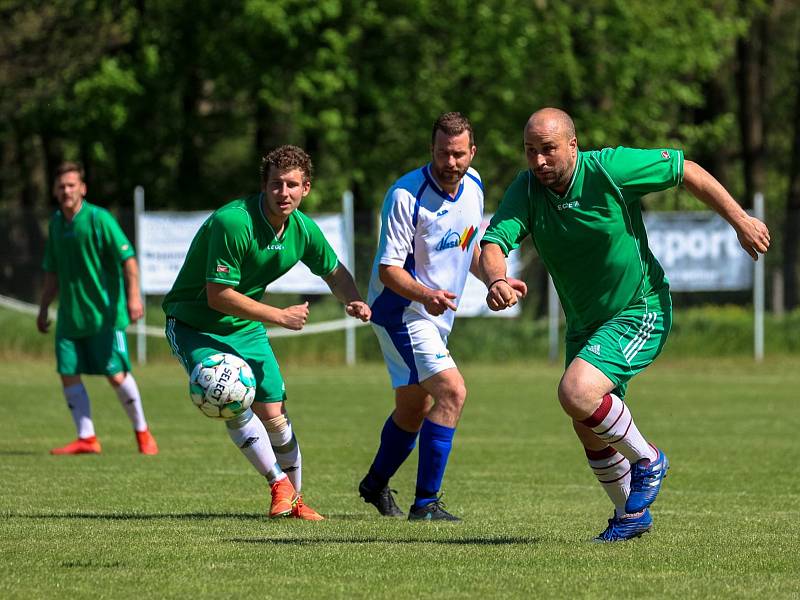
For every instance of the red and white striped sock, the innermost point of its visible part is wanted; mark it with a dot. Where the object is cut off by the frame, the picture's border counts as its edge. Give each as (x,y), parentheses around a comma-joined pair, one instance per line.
(613,471)
(613,423)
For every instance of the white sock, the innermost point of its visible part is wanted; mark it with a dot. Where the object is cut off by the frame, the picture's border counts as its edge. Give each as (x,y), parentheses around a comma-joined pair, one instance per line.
(613,471)
(78,403)
(128,394)
(613,423)
(248,433)
(287,450)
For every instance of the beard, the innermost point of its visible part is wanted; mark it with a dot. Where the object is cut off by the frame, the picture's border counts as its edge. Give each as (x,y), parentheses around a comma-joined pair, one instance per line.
(448,175)
(556,177)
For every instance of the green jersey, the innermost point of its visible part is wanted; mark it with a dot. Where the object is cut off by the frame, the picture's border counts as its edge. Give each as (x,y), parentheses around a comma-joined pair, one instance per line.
(237,246)
(591,239)
(86,255)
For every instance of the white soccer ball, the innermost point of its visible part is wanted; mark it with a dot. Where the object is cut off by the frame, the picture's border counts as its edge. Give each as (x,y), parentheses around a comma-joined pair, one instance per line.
(222,386)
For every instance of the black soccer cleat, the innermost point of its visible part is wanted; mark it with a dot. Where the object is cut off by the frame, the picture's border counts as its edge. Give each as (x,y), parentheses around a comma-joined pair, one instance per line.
(432,512)
(382,499)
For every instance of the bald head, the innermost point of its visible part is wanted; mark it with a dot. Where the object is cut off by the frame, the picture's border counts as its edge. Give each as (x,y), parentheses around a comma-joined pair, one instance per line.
(551,120)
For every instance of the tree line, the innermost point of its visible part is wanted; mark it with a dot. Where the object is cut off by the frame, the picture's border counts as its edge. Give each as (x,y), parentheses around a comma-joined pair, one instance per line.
(184,96)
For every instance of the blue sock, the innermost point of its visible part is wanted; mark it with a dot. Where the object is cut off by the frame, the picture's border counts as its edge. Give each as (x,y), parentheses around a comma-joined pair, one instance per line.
(396,445)
(435,442)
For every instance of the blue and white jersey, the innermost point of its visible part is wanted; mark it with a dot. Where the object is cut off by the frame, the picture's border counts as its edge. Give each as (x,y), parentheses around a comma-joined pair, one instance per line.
(430,235)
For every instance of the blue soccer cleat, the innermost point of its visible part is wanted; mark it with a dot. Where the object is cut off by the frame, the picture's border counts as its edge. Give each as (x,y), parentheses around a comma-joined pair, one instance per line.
(626,527)
(646,478)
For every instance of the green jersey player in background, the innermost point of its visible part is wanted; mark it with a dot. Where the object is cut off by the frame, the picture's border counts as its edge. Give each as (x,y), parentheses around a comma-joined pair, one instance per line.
(583,212)
(214,306)
(90,265)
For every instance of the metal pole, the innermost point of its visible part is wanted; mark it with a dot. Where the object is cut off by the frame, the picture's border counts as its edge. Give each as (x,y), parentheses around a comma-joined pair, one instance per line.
(758,289)
(553,314)
(141,336)
(349,235)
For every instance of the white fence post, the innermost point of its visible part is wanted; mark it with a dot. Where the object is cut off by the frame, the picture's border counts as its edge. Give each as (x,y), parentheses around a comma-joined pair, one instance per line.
(758,289)
(349,234)
(553,315)
(141,326)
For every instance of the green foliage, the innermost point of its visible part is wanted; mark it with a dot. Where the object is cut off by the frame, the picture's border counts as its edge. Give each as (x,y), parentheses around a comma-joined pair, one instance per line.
(190,522)
(182,97)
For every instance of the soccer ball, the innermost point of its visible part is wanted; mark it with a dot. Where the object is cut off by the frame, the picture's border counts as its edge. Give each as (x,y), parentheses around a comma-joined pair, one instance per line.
(222,386)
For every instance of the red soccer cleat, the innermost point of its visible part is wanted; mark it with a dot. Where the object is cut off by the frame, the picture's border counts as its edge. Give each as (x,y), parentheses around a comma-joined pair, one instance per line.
(147,443)
(283,495)
(301,511)
(90,445)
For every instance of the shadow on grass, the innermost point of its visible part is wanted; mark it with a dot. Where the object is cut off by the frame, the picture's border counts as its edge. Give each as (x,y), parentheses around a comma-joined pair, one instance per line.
(136,516)
(465,541)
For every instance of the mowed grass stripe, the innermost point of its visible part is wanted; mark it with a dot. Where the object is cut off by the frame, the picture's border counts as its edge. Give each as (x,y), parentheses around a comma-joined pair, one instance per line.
(188,523)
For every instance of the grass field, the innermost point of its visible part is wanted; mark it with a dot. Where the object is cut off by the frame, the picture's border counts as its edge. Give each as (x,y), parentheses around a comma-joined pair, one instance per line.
(189,522)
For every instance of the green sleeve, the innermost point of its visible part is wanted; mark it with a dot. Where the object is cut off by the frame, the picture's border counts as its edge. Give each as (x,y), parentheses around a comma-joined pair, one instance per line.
(319,256)
(113,237)
(509,225)
(49,263)
(642,171)
(229,233)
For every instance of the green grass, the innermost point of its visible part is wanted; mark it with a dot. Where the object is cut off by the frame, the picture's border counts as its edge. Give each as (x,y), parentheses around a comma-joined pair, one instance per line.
(189,522)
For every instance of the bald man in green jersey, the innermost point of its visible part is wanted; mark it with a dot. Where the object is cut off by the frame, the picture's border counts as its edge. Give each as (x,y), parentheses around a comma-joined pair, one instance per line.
(90,265)
(583,213)
(214,306)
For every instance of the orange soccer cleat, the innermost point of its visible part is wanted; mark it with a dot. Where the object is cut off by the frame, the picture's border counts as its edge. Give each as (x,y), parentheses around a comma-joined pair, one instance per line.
(302,511)
(283,495)
(90,445)
(147,443)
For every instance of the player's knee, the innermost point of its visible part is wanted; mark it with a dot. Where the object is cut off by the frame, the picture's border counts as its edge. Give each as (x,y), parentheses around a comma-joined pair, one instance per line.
(453,397)
(571,395)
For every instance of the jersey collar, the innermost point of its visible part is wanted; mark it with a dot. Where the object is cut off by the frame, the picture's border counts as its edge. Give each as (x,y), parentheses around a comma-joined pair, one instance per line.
(435,186)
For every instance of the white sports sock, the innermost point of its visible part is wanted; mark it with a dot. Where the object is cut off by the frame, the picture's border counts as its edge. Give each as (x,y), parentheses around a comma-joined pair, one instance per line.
(613,423)
(613,471)
(79,406)
(128,394)
(287,450)
(248,433)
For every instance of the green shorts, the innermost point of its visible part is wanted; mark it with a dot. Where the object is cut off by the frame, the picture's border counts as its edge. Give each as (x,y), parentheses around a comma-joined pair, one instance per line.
(104,353)
(628,342)
(191,346)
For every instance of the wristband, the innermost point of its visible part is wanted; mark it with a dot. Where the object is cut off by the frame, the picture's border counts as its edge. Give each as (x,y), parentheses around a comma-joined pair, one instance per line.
(495,281)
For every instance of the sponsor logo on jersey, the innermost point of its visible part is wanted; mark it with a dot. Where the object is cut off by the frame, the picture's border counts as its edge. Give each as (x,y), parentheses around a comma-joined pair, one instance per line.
(124,247)
(223,269)
(439,355)
(594,349)
(441,213)
(567,205)
(665,155)
(453,240)
(274,246)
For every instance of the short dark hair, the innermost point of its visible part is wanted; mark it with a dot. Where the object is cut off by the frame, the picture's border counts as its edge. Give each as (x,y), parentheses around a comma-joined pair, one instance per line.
(287,158)
(452,124)
(70,167)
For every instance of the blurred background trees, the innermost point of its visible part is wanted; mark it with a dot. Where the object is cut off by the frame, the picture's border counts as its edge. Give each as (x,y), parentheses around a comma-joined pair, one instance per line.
(183,97)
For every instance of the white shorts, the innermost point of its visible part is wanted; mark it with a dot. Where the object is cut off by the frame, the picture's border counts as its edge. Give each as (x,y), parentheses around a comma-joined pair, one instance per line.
(414,351)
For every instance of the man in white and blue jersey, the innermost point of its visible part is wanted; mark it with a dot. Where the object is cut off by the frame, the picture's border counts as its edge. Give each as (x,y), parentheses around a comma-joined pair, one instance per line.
(428,243)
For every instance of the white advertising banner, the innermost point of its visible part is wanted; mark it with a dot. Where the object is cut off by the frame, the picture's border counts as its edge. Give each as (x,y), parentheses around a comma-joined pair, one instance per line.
(164,239)
(473,302)
(699,251)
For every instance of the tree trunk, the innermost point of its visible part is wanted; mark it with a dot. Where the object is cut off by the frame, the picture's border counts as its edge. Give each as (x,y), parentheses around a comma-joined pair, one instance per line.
(750,84)
(792,223)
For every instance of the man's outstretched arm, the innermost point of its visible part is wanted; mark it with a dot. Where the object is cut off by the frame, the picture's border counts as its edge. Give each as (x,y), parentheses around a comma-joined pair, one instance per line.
(753,234)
